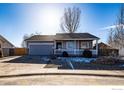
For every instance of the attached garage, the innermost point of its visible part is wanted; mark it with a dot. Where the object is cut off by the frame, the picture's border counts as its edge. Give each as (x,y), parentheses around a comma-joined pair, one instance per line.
(40,49)
(40,45)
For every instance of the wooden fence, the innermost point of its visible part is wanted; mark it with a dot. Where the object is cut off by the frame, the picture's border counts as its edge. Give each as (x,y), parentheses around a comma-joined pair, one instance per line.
(108,52)
(18,51)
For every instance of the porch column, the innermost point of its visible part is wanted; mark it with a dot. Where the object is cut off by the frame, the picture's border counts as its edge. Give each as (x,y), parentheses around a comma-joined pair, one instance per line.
(96,47)
(78,47)
(75,47)
(54,48)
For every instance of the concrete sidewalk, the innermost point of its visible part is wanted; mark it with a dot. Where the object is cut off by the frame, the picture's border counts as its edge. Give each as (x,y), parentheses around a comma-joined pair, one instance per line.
(8,58)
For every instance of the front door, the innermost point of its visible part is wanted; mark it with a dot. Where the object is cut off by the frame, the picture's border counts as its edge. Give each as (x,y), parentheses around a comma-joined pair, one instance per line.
(58,45)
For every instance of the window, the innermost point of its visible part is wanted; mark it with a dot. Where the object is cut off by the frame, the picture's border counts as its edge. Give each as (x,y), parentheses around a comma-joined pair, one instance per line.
(85,44)
(70,45)
(59,45)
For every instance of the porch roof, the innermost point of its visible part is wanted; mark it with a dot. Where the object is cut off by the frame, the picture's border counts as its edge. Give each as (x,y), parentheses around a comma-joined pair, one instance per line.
(76,36)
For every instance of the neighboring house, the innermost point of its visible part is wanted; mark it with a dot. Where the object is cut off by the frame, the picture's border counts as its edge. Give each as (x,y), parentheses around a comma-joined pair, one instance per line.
(72,43)
(106,50)
(102,45)
(5,45)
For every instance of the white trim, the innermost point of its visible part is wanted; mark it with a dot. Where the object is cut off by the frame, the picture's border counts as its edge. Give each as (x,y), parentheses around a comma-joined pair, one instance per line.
(40,44)
(54,44)
(66,39)
(41,40)
(80,39)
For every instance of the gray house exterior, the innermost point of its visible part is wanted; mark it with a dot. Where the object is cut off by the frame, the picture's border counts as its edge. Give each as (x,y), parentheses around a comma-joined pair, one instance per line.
(72,43)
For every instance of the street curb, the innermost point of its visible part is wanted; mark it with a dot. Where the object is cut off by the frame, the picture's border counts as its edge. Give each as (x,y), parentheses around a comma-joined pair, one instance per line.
(39,74)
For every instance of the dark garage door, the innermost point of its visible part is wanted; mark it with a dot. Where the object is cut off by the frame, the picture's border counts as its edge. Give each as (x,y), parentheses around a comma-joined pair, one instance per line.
(41,49)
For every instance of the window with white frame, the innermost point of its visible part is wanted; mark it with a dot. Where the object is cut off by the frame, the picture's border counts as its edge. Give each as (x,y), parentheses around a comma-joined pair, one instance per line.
(85,44)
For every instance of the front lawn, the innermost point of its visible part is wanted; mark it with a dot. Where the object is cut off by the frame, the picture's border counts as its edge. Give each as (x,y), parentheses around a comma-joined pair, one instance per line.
(101,63)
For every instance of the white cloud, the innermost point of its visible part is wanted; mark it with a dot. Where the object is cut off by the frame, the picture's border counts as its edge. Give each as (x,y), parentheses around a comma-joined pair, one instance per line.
(111,27)
(108,27)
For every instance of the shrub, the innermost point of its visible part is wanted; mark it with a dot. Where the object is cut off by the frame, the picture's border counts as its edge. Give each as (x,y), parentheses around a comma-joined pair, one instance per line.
(65,54)
(87,53)
(106,61)
(53,57)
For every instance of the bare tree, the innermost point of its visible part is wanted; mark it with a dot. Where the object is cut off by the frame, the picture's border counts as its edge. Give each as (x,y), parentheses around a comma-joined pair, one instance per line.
(26,36)
(110,37)
(70,20)
(116,37)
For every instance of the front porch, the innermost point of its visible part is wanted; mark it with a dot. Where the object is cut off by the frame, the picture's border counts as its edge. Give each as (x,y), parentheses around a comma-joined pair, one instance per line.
(75,47)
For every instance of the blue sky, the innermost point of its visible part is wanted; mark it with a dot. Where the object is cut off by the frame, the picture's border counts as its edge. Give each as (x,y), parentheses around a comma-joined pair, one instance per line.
(16,20)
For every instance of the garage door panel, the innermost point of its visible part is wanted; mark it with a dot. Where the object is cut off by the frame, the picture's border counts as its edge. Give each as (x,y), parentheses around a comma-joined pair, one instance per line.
(41,49)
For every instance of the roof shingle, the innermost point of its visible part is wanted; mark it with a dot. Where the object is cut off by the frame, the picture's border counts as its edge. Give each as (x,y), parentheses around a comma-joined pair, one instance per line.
(75,36)
(42,38)
(62,36)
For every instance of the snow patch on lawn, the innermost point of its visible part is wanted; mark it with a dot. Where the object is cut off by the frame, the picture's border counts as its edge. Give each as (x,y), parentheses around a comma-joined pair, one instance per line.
(45,58)
(77,59)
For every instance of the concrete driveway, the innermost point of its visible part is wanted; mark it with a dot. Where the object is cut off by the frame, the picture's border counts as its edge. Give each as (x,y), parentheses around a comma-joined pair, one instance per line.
(21,64)
(9,58)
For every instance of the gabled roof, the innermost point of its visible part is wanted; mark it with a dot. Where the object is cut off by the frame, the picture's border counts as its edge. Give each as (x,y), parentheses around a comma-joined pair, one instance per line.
(5,40)
(41,38)
(62,36)
(102,45)
(65,36)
